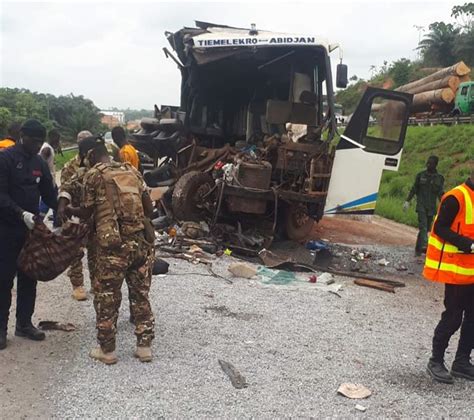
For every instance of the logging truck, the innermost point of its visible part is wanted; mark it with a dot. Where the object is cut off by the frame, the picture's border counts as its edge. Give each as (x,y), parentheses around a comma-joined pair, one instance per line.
(225,153)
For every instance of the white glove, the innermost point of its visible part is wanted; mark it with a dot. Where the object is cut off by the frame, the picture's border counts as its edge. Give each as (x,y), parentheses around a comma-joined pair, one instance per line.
(472,248)
(28,219)
(406,206)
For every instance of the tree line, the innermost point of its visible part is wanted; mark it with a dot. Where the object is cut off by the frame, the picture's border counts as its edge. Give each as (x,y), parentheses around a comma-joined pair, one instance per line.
(69,114)
(444,44)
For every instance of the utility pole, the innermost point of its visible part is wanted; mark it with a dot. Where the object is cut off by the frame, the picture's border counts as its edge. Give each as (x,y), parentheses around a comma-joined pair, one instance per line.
(420,30)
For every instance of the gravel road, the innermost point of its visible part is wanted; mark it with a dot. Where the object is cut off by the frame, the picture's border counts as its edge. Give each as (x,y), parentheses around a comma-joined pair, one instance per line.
(294,344)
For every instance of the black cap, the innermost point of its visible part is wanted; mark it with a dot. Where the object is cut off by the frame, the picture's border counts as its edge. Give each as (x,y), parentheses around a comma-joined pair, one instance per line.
(33,128)
(89,143)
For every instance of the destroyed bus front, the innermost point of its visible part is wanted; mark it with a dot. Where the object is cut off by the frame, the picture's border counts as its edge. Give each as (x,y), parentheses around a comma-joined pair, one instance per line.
(250,141)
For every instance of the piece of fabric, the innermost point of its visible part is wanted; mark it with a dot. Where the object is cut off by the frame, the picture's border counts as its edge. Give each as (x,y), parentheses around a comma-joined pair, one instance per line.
(12,239)
(445,262)
(459,304)
(23,180)
(428,188)
(46,255)
(133,262)
(128,154)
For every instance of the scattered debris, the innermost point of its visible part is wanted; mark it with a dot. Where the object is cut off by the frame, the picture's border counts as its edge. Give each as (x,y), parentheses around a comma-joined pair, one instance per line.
(383,262)
(360,408)
(238,381)
(278,277)
(313,279)
(375,285)
(160,267)
(57,326)
(326,278)
(242,270)
(354,391)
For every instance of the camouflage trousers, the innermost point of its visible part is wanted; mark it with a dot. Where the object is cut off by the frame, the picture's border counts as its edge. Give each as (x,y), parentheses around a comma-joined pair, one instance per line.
(133,261)
(75,269)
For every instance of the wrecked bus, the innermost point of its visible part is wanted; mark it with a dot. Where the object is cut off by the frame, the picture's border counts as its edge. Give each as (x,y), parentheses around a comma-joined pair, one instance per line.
(228,153)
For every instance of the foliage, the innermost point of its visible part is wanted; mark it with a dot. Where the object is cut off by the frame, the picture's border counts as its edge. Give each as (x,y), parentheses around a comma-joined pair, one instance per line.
(70,114)
(453,145)
(61,159)
(438,47)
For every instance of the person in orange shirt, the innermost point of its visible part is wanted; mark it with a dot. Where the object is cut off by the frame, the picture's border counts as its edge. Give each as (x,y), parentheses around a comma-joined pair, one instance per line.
(127,152)
(13,136)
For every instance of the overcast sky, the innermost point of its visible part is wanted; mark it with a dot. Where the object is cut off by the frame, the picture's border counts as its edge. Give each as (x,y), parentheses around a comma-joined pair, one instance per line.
(111,52)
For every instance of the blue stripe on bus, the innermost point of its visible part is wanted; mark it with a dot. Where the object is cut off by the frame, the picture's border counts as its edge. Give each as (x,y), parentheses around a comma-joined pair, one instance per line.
(358,202)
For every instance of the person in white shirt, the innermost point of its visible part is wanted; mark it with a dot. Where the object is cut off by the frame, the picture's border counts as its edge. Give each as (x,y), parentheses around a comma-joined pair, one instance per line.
(48,152)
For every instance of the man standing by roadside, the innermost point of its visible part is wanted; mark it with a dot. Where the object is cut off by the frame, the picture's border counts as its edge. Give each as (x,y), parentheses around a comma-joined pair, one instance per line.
(24,178)
(450,260)
(428,188)
(115,197)
(13,136)
(70,191)
(127,152)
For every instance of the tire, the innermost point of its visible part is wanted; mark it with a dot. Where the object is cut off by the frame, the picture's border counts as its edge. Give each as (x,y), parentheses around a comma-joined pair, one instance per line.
(186,194)
(298,223)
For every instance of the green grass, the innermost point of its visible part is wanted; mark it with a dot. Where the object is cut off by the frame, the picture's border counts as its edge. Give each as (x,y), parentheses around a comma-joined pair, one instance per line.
(454,145)
(65,157)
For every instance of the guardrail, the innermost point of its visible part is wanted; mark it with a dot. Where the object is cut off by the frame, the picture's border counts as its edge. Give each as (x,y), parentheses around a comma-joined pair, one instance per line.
(441,120)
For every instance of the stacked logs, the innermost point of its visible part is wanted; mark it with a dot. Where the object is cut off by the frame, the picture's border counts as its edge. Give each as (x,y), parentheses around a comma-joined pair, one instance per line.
(437,91)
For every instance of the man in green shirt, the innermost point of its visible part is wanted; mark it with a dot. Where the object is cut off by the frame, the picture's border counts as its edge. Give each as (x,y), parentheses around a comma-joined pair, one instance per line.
(428,188)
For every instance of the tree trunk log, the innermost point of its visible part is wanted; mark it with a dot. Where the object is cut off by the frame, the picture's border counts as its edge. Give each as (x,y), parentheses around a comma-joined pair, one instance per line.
(424,100)
(458,69)
(451,82)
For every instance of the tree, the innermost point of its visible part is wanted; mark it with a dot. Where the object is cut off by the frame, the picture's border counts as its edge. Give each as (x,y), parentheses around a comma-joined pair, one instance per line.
(438,47)
(400,71)
(5,120)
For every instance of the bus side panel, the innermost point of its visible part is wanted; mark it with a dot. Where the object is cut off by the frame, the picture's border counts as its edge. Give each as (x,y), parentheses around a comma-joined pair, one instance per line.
(355,181)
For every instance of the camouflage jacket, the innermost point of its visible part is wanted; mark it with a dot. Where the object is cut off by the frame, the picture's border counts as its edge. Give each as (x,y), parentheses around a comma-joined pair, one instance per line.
(72,176)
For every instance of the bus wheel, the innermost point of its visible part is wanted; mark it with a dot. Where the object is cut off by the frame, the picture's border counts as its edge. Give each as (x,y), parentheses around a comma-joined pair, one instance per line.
(190,196)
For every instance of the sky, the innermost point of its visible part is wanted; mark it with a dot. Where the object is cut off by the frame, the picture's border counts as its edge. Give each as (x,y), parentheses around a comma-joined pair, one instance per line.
(111,52)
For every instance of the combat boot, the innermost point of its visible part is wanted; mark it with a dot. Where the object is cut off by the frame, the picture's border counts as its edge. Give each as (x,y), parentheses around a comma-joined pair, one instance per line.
(3,339)
(463,368)
(29,331)
(438,371)
(107,358)
(79,293)
(143,354)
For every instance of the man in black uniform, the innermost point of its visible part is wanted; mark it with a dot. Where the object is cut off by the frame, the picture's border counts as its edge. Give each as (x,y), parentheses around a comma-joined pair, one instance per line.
(24,178)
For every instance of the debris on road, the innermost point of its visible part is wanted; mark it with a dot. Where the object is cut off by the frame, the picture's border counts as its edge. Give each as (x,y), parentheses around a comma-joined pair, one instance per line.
(359,407)
(375,285)
(242,270)
(354,391)
(238,381)
(56,326)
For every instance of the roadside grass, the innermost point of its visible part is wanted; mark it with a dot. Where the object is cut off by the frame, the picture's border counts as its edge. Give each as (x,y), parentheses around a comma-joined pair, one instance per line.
(454,145)
(61,160)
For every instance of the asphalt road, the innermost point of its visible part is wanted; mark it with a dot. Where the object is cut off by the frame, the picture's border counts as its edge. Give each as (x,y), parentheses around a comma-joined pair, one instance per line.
(294,344)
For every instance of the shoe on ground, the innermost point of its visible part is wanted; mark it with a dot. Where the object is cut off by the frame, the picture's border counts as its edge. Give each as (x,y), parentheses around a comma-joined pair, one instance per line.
(79,293)
(143,354)
(107,358)
(3,340)
(31,332)
(438,371)
(463,369)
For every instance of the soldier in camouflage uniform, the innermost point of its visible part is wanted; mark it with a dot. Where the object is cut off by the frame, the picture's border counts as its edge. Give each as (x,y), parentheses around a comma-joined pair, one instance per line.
(114,195)
(428,188)
(70,192)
